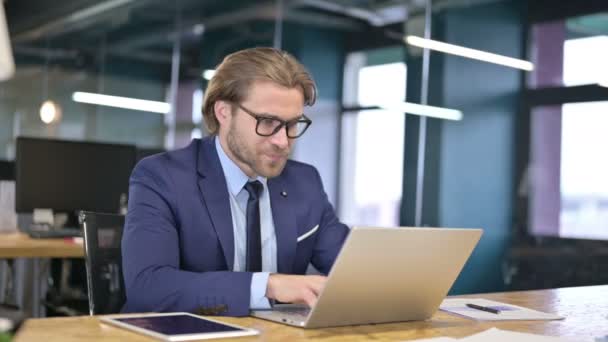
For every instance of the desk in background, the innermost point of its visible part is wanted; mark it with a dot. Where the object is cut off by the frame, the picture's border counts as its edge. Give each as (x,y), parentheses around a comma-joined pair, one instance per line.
(585,309)
(19,245)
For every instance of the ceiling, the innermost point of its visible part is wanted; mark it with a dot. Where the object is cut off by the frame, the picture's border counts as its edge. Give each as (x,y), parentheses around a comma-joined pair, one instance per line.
(145,30)
(84,31)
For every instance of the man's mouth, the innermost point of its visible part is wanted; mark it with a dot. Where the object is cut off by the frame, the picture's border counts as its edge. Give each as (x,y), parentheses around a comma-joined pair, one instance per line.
(276,156)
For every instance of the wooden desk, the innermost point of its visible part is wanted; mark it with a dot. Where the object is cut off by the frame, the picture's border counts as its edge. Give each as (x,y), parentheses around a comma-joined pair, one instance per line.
(585,309)
(19,245)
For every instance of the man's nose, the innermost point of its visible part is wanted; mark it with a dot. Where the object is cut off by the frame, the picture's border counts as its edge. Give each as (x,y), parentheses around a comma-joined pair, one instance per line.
(280,138)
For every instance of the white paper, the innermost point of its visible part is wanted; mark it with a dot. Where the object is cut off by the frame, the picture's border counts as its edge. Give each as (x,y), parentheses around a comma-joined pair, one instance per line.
(437,339)
(508,312)
(497,335)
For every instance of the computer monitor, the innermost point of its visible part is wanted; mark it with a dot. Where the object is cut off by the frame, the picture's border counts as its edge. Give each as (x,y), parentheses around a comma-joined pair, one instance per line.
(68,176)
(147,151)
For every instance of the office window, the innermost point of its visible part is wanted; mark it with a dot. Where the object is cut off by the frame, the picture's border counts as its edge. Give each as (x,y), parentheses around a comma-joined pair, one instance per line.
(197,114)
(585,61)
(584,175)
(569,52)
(569,169)
(372,147)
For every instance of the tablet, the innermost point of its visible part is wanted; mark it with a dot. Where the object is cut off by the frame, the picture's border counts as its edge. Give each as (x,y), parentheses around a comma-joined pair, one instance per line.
(178,326)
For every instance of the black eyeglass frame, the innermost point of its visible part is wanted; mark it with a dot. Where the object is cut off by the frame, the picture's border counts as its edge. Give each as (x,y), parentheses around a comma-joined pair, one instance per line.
(282,123)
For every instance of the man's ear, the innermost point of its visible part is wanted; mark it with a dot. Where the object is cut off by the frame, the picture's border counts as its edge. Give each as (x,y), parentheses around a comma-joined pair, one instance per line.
(223,112)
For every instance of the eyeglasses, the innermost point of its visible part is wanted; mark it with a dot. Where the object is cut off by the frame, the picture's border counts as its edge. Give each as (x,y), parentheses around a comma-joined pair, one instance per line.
(267,126)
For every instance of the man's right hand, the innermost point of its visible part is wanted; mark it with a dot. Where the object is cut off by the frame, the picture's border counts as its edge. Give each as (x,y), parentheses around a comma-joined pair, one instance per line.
(295,288)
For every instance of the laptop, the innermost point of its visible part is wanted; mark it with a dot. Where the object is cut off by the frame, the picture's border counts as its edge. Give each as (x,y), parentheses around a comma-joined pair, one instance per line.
(384,275)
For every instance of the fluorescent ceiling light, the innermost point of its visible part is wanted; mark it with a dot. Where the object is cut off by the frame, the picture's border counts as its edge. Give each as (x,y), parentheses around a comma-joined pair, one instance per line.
(469,53)
(423,110)
(122,102)
(208,74)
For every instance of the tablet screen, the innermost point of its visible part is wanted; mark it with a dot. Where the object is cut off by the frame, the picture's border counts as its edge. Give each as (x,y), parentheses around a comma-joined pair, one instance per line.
(177,324)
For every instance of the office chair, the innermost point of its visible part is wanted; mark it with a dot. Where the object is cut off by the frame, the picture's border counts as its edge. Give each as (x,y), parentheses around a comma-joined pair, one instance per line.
(7,170)
(103,259)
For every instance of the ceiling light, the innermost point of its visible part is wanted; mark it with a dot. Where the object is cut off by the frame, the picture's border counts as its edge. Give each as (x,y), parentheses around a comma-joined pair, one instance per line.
(50,112)
(122,102)
(469,53)
(208,74)
(198,29)
(424,110)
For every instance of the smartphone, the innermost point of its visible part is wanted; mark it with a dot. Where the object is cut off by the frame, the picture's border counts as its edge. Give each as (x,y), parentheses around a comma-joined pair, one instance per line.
(178,326)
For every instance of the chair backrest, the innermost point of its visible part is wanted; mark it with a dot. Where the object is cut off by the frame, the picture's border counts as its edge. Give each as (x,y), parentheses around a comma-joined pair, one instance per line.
(105,283)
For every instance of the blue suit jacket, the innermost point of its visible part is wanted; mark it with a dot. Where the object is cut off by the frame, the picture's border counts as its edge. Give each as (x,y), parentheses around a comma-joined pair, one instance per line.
(178,243)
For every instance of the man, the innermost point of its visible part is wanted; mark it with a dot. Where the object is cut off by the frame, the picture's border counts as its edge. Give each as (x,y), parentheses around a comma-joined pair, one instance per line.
(228,224)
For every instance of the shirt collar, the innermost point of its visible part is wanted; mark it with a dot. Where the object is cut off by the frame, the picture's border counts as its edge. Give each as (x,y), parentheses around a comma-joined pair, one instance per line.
(235,177)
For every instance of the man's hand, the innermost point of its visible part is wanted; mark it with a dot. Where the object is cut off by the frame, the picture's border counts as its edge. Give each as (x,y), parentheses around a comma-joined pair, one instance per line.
(295,288)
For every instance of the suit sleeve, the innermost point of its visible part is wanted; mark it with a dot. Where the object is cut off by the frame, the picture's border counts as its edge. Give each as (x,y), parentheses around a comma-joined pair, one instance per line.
(151,256)
(332,233)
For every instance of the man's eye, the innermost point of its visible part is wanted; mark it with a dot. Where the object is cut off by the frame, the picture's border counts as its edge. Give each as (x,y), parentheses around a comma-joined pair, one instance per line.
(268,123)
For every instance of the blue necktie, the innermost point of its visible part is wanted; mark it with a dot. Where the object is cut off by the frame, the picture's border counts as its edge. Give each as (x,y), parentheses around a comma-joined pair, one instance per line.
(254,239)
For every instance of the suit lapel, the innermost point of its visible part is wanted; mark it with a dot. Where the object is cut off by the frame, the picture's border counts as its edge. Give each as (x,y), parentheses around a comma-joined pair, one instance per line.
(213,189)
(284,225)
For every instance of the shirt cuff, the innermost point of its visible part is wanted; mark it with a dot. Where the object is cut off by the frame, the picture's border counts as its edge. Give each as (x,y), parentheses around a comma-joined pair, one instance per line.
(258,300)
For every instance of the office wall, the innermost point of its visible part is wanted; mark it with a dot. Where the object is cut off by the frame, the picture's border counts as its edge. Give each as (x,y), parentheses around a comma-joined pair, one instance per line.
(6,129)
(432,156)
(21,99)
(470,166)
(322,53)
(127,126)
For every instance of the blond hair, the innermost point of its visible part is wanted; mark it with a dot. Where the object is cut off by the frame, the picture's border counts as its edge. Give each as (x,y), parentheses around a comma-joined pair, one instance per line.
(237,72)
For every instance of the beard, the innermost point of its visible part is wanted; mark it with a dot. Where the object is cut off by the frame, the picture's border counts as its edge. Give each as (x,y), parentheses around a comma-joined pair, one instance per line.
(247,155)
